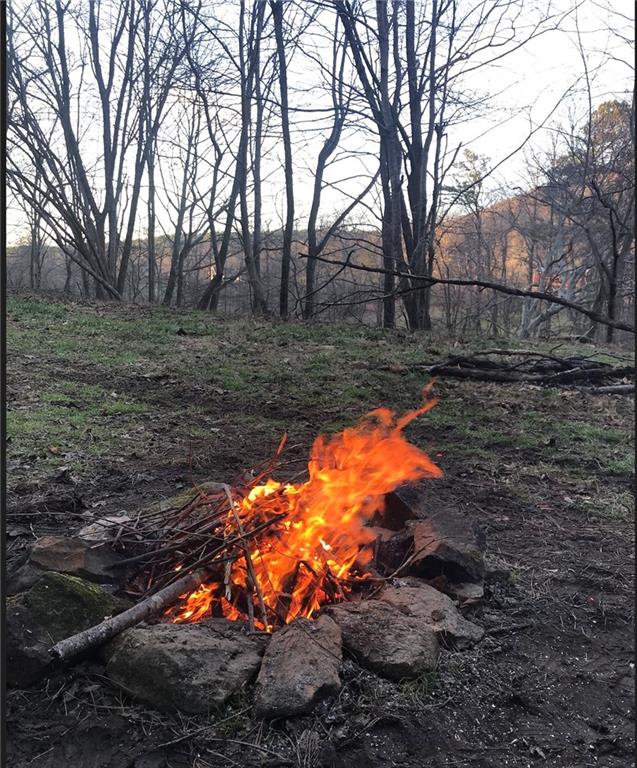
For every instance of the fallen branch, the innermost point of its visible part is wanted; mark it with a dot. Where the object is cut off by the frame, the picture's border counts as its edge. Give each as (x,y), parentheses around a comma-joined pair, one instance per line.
(100,633)
(561,377)
(613,389)
(421,281)
(547,370)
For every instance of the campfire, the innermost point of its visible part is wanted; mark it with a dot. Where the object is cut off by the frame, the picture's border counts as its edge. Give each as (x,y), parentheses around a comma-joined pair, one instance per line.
(271,582)
(278,551)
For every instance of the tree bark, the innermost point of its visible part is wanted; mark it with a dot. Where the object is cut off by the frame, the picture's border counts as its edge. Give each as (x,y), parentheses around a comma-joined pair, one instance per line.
(277,15)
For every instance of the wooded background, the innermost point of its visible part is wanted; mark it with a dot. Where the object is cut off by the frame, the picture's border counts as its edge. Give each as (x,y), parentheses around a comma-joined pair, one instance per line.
(145,138)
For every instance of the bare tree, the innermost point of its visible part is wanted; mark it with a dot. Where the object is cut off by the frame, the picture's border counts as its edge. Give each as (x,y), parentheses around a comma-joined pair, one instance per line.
(243,61)
(590,184)
(188,226)
(53,127)
(288,231)
(164,50)
(418,54)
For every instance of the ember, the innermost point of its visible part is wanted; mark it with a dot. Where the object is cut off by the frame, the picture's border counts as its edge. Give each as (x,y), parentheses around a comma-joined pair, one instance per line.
(315,545)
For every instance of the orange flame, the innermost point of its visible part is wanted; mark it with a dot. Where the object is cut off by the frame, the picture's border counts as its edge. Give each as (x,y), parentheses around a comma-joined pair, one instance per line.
(304,559)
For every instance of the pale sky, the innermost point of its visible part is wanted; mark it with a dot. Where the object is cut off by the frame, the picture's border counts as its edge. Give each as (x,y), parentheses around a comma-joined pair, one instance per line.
(529,82)
(543,71)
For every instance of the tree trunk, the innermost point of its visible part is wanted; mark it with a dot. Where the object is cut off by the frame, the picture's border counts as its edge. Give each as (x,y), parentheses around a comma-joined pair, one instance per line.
(277,15)
(152,265)
(392,243)
(257,297)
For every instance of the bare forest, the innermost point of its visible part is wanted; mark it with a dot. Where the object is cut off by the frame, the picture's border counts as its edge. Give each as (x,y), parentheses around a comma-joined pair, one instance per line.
(305,160)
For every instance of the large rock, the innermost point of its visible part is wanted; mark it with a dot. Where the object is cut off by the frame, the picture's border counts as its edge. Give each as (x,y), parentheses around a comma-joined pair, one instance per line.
(415,598)
(450,544)
(436,541)
(300,667)
(64,554)
(409,502)
(191,667)
(55,607)
(386,640)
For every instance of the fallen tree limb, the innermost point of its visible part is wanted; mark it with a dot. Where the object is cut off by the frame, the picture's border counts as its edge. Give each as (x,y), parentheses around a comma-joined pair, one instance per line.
(559,377)
(423,280)
(613,389)
(100,633)
(579,373)
(529,367)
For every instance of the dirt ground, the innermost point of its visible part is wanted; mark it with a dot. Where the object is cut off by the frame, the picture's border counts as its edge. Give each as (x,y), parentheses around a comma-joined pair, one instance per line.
(110,408)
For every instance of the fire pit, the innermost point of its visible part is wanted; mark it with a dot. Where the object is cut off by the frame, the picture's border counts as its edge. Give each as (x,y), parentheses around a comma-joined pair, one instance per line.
(275,578)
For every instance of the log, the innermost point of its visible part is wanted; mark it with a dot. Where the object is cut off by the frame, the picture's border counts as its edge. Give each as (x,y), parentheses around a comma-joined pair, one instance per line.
(550,370)
(100,633)
(612,389)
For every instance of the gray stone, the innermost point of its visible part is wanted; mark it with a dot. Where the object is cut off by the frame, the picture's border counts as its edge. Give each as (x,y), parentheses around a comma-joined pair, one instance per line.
(449,543)
(104,530)
(392,551)
(55,607)
(23,577)
(465,593)
(191,667)
(300,667)
(395,513)
(496,569)
(409,502)
(415,598)
(64,554)
(384,639)
(438,540)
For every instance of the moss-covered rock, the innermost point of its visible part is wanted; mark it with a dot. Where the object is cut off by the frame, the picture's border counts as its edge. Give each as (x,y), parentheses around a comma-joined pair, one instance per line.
(55,607)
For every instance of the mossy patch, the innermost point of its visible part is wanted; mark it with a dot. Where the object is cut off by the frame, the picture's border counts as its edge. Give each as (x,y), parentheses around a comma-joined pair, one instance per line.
(173,502)
(63,605)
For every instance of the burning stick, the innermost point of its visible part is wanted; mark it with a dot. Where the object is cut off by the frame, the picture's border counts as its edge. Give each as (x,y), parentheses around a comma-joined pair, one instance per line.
(269,467)
(227,572)
(284,599)
(253,582)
